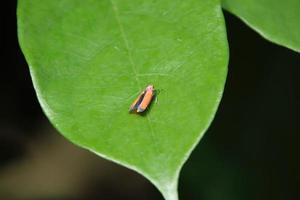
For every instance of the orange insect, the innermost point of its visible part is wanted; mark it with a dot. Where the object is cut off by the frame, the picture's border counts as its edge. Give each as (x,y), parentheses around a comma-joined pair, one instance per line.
(144,99)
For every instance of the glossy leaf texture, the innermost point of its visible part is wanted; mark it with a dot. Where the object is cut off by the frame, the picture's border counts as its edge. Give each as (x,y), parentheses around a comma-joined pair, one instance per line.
(90,59)
(276,20)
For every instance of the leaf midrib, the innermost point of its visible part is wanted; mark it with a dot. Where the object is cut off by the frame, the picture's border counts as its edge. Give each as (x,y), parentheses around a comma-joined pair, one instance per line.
(133,68)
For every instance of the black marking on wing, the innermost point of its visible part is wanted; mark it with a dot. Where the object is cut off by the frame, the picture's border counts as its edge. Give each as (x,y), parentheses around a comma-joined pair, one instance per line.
(139,101)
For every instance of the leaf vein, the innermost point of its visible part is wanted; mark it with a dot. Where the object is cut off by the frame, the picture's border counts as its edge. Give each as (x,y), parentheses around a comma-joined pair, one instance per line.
(125,39)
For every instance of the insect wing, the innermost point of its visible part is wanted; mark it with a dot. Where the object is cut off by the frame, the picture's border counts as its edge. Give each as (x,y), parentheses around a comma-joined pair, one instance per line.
(134,106)
(145,101)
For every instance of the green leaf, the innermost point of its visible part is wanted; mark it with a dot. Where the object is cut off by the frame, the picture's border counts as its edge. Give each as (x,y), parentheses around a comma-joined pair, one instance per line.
(276,20)
(90,59)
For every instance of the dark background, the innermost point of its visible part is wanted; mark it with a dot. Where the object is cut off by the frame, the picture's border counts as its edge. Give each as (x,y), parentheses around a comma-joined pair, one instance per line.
(251,150)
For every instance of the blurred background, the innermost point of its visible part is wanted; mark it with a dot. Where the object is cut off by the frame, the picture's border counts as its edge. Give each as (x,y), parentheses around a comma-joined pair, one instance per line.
(251,150)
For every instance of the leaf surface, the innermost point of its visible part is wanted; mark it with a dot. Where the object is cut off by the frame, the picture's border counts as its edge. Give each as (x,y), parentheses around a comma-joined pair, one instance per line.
(90,59)
(276,20)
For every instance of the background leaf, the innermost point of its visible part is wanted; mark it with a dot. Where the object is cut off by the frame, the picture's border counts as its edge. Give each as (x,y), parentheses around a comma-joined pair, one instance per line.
(90,59)
(276,20)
